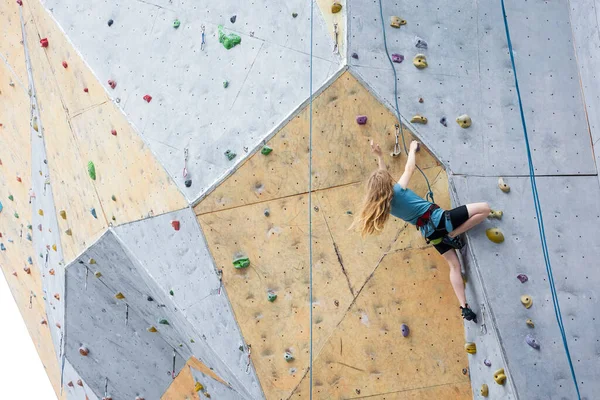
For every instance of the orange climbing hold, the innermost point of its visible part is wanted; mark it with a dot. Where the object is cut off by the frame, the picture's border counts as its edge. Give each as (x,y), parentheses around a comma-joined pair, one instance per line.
(84,351)
(119,296)
(51,272)
(19,179)
(44,42)
(176,225)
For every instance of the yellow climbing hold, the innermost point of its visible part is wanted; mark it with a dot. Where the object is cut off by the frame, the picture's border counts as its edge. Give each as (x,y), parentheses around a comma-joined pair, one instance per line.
(419,119)
(529,323)
(420,61)
(336,7)
(119,296)
(152,329)
(198,387)
(35,124)
(496,214)
(499,376)
(464,121)
(41,212)
(495,235)
(503,186)
(69,232)
(526,301)
(98,274)
(396,22)
(63,214)
(471,348)
(92,261)
(484,390)
(54,247)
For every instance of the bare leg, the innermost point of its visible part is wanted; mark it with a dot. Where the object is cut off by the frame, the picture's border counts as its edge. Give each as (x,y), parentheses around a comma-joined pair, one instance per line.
(478,212)
(455,276)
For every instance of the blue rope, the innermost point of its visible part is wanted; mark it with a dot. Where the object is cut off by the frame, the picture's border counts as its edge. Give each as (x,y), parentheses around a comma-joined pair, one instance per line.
(387,53)
(538,208)
(310,249)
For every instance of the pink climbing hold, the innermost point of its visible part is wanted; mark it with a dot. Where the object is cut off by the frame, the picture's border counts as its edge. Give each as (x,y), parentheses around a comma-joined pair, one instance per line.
(44,42)
(148,98)
(14,273)
(176,225)
(58,325)
(64,64)
(113,132)
(361,119)
(79,382)
(19,2)
(397,58)
(86,90)
(523,278)
(112,84)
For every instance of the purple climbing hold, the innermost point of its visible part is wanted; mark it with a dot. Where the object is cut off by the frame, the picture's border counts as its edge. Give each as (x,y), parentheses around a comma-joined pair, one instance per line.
(361,119)
(397,58)
(405,330)
(523,278)
(530,340)
(487,363)
(355,56)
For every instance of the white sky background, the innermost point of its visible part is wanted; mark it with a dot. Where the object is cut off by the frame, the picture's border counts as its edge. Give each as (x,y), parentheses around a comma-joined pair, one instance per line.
(22,375)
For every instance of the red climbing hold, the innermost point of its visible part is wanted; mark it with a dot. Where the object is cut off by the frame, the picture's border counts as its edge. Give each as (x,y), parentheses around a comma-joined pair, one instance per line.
(19,179)
(14,273)
(175,225)
(79,382)
(148,98)
(112,84)
(85,89)
(43,322)
(65,65)
(70,384)
(19,2)
(113,132)
(44,42)
(27,270)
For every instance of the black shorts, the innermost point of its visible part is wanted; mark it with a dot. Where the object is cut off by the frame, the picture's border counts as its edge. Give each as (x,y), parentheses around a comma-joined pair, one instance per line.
(458,216)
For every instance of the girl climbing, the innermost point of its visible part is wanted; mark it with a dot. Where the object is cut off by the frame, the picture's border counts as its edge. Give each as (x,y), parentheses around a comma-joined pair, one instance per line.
(438,226)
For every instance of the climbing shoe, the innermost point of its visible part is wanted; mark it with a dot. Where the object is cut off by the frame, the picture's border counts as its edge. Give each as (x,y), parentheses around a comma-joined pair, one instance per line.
(468,314)
(453,242)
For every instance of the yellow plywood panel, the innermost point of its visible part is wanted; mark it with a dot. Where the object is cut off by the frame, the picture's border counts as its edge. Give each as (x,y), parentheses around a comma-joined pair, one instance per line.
(341,154)
(182,387)
(125,167)
(368,356)
(11,49)
(15,156)
(332,19)
(277,247)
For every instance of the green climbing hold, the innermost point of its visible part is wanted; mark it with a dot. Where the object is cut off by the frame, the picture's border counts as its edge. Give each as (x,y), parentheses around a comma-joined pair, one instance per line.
(113,197)
(230,155)
(163,322)
(225,84)
(272,296)
(171,292)
(229,40)
(11,198)
(16,215)
(176,24)
(92,170)
(241,262)
(192,341)
(266,150)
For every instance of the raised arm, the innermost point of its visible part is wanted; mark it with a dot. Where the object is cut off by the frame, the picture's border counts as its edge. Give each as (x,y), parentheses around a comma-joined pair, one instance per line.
(377,151)
(409,168)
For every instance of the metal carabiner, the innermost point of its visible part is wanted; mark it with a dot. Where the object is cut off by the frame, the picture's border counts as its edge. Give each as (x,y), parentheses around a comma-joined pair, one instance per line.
(397,151)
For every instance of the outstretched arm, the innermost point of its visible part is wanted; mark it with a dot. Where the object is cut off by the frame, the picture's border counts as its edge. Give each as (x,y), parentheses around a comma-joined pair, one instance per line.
(410,166)
(377,151)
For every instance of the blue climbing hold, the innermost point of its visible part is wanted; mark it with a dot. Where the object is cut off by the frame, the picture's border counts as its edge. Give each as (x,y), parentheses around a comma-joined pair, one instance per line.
(29,260)
(93,211)
(29,236)
(405,330)
(2,247)
(1,207)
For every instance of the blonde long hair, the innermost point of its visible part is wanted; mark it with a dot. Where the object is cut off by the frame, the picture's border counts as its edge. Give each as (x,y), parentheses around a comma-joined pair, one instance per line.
(375,209)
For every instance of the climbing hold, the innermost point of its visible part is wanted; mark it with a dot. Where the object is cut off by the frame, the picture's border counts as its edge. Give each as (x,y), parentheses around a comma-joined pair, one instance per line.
(19,179)
(443,121)
(241,262)
(526,300)
(139,398)
(233,19)
(396,22)
(499,376)
(150,298)
(163,322)
(266,213)
(198,387)
(420,43)
(355,56)
(176,24)
(34,124)
(113,197)
(92,170)
(503,186)
(421,100)
(176,225)
(487,363)
(64,64)
(484,390)
(92,261)
(530,340)
(336,7)
(63,214)
(152,329)
(14,273)
(229,41)
(171,292)
(266,150)
(57,296)
(27,270)
(405,330)
(225,84)
(470,348)
(44,42)
(113,132)
(1,206)
(79,382)
(288,356)
(70,384)
(110,22)
(530,323)
(19,2)
(465,371)
(86,90)
(523,278)
(294,15)
(119,296)
(84,351)
(495,235)
(497,214)
(420,61)
(16,215)
(41,212)
(98,274)
(147,98)
(271,296)
(93,211)
(112,84)
(69,232)
(51,272)
(361,119)
(464,121)
(2,247)
(44,322)
(397,58)
(419,119)
(29,260)
(188,183)
(230,155)
(57,324)
(11,198)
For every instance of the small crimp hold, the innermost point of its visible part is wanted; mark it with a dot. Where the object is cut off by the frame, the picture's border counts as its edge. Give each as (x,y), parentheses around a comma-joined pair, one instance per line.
(64,64)
(119,296)
(271,296)
(294,14)
(497,214)
(98,274)
(198,387)
(420,43)
(152,329)
(288,356)
(63,214)
(266,150)
(233,19)
(176,225)
(44,42)
(147,98)
(84,351)
(355,56)
(487,363)
(241,262)
(93,211)
(396,22)
(530,323)
(86,90)
(92,170)
(397,58)
(163,322)
(176,24)
(188,183)
(225,84)
(110,22)
(523,278)
(419,119)
(361,119)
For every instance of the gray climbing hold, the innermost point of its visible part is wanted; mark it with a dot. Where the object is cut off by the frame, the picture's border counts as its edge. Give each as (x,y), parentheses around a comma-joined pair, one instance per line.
(110,22)
(267,213)
(405,330)
(355,56)
(233,19)
(288,356)
(530,340)
(487,363)
(523,278)
(163,322)
(294,15)
(2,247)
(188,182)
(420,43)
(150,298)
(397,58)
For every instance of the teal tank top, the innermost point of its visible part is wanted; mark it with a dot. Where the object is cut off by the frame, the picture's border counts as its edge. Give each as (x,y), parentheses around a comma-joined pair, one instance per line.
(408,206)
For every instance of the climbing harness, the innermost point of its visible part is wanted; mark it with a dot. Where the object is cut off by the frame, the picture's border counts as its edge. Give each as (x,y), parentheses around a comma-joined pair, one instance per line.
(335,31)
(203,36)
(538,206)
(429,195)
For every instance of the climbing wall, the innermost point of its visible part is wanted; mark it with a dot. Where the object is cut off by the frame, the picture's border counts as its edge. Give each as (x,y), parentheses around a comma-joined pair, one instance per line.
(363,290)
